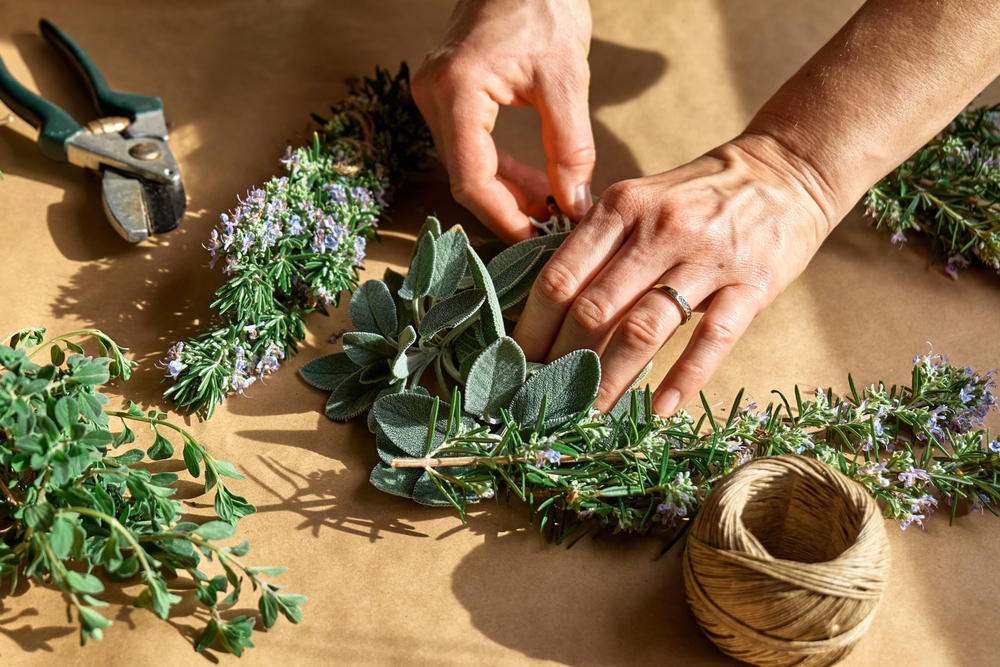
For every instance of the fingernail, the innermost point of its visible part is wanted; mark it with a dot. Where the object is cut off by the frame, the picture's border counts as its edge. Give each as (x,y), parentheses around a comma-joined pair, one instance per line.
(583,201)
(668,402)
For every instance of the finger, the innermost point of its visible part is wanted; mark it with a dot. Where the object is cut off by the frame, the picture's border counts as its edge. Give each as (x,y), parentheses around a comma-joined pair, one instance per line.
(714,337)
(580,257)
(600,306)
(473,163)
(529,186)
(567,138)
(643,330)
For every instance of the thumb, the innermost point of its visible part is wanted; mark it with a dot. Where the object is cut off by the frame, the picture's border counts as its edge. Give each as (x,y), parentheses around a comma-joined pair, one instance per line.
(568,141)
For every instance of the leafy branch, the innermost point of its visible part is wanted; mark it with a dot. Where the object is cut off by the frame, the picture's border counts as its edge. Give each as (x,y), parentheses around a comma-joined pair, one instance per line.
(68,498)
(292,247)
(949,190)
(530,430)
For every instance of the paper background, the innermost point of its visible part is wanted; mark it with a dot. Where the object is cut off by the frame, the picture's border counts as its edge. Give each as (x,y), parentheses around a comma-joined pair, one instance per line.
(391,582)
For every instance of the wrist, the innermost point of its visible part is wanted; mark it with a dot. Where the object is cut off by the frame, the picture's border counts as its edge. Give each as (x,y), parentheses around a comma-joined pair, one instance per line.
(798,167)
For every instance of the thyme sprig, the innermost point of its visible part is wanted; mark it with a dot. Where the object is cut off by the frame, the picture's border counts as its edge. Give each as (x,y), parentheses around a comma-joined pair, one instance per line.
(530,430)
(949,190)
(292,247)
(72,507)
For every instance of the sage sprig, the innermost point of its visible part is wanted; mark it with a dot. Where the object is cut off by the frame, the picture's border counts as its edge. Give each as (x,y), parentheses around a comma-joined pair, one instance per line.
(292,247)
(949,190)
(499,424)
(77,502)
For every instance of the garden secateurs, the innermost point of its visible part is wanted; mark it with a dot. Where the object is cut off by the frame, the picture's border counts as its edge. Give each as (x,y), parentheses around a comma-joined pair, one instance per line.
(141,183)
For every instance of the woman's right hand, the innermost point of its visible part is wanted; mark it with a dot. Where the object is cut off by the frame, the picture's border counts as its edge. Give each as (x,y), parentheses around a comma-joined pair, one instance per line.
(518,53)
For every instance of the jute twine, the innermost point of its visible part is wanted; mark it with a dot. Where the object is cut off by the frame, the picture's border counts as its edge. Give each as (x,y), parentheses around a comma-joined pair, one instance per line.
(785,563)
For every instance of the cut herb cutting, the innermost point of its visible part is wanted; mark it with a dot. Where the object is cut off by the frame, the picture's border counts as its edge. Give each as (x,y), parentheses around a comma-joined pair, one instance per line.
(73,506)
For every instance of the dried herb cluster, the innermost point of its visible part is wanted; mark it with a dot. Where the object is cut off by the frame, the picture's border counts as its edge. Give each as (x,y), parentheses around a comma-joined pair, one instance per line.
(949,190)
(293,246)
(77,502)
(513,427)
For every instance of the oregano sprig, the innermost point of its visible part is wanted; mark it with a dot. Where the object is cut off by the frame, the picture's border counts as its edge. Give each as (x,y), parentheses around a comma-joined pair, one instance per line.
(75,501)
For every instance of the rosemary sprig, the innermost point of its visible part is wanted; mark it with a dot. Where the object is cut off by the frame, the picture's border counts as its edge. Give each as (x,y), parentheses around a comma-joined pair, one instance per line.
(949,190)
(292,247)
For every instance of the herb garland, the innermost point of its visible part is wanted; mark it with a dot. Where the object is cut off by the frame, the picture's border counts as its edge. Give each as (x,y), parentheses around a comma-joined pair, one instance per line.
(530,430)
(949,190)
(71,508)
(291,247)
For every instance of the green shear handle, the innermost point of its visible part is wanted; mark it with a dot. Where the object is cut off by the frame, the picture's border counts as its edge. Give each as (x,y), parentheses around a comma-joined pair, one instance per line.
(57,126)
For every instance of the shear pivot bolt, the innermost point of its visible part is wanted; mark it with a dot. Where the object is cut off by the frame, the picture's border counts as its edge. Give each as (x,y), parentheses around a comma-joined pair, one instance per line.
(146,150)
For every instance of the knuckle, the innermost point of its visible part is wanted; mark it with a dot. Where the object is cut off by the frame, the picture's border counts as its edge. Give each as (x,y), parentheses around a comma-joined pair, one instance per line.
(590,314)
(642,331)
(623,199)
(582,155)
(556,283)
(719,333)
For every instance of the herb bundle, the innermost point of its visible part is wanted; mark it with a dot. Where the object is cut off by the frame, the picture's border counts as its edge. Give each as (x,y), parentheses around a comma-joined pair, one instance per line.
(950,190)
(71,507)
(291,247)
(530,429)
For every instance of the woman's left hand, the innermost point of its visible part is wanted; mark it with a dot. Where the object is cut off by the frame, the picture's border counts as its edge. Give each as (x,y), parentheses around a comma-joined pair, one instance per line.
(729,231)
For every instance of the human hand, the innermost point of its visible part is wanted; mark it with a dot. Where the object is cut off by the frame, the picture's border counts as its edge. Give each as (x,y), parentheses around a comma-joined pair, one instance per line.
(729,231)
(512,52)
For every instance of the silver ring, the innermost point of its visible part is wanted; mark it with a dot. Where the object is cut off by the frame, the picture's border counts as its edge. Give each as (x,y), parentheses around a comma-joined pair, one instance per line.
(678,299)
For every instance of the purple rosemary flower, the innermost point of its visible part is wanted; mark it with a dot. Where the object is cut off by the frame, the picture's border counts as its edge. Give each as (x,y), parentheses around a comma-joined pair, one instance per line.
(174,368)
(898,238)
(359,250)
(954,265)
(966,394)
(549,455)
(295,226)
(910,476)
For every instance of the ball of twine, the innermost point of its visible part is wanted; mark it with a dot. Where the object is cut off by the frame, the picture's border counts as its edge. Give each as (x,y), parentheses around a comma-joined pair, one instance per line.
(785,563)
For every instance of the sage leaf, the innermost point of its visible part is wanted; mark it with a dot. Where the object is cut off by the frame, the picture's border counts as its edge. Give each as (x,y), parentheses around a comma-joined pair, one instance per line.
(426,492)
(400,362)
(491,319)
(328,372)
(450,262)
(351,398)
(366,348)
(418,280)
(569,383)
(431,227)
(495,376)
(452,311)
(394,281)
(404,419)
(373,310)
(397,481)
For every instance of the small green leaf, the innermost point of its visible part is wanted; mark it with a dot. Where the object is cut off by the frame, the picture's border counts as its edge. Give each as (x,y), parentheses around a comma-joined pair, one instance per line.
(490,317)
(418,280)
(161,449)
(61,537)
(215,530)
(57,355)
(328,372)
(569,383)
(207,637)
(92,373)
(226,469)
(366,348)
(451,312)
(373,310)
(268,607)
(397,481)
(495,376)
(84,582)
(192,459)
(450,262)
(66,411)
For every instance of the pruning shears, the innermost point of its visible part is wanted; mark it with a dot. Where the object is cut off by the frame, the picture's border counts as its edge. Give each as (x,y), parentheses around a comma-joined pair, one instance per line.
(141,183)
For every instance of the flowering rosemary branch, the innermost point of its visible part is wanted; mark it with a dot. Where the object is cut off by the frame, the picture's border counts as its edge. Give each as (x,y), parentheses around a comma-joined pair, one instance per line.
(293,246)
(68,499)
(950,190)
(530,430)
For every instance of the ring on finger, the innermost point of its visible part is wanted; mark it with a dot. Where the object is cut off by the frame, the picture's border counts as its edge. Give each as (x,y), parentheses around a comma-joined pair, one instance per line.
(677,298)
